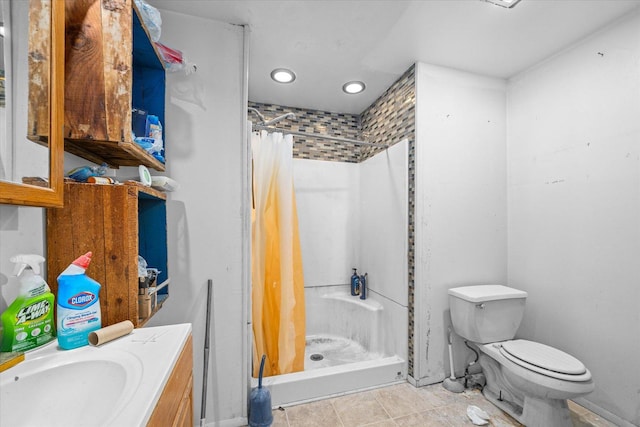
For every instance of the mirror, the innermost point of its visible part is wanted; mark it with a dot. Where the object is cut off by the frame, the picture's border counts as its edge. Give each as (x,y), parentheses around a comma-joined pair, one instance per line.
(31,102)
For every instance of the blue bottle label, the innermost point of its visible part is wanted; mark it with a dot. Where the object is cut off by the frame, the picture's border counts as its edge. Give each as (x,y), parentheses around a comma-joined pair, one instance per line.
(81,300)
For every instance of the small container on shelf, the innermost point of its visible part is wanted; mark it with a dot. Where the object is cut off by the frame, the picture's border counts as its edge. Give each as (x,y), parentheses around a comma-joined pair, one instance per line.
(144,306)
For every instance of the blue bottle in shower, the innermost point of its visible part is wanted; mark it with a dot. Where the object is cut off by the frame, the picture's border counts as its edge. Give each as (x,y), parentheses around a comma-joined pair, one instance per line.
(355,283)
(363,286)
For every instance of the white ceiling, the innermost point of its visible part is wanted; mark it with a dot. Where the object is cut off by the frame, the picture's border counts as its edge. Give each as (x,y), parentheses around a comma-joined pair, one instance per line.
(328,43)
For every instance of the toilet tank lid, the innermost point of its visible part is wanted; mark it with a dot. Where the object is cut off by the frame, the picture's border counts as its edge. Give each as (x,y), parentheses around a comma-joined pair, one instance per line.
(481,293)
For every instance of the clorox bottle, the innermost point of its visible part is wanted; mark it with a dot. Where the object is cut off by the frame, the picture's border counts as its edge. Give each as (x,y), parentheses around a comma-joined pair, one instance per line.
(78,306)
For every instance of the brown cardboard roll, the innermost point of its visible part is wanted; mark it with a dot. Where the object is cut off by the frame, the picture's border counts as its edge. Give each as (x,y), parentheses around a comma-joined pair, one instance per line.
(110,333)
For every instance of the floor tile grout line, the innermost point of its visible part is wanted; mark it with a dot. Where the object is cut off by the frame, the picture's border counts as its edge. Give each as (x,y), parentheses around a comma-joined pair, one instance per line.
(415,391)
(449,401)
(383,408)
(377,397)
(286,417)
(337,413)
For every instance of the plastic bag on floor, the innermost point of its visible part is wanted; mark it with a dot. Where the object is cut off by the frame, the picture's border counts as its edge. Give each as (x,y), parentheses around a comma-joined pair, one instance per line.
(477,415)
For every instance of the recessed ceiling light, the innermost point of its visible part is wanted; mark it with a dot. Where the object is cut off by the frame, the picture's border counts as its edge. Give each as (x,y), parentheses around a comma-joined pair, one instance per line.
(353,87)
(282,75)
(504,3)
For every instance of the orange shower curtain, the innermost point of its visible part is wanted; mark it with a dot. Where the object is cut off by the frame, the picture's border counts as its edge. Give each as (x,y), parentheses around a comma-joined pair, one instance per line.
(278,312)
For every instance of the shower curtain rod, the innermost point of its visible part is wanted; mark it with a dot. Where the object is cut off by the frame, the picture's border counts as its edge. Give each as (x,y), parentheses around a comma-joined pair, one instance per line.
(319,135)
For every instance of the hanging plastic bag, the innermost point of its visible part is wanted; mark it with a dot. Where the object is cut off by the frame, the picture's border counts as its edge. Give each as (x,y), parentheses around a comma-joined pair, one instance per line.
(169,56)
(174,60)
(154,131)
(151,18)
(152,142)
(142,267)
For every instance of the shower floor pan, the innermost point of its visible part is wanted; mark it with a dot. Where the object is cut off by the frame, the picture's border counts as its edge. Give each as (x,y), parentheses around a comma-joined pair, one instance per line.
(333,366)
(325,351)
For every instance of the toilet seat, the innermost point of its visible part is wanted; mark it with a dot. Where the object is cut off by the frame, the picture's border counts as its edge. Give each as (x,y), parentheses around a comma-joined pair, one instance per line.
(545,360)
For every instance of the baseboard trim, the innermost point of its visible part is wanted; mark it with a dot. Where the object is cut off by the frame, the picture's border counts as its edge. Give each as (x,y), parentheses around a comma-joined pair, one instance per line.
(233,422)
(421,382)
(613,418)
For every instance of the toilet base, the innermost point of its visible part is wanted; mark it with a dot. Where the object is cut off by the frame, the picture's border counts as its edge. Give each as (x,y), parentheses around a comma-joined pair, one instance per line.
(536,412)
(547,412)
(506,406)
(518,397)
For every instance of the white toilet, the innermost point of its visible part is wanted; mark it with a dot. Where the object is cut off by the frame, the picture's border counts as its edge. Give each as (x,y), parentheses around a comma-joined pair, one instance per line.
(528,380)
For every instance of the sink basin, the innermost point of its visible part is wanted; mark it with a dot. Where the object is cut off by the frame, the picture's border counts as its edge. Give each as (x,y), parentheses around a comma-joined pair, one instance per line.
(117,384)
(69,388)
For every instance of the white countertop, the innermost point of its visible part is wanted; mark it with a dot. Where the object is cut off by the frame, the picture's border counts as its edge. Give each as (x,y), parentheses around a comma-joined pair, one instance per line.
(157,348)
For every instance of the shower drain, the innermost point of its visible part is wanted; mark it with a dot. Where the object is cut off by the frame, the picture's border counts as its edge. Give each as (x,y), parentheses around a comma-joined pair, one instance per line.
(316,357)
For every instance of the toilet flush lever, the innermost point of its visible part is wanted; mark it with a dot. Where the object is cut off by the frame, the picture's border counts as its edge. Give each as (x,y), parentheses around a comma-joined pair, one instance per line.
(480,306)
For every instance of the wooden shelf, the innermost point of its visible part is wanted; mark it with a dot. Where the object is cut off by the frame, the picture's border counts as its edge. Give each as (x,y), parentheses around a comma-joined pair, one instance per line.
(113,153)
(111,67)
(117,223)
(146,190)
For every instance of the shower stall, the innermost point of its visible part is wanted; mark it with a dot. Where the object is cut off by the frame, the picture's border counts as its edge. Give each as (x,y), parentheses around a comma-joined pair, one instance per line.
(351,345)
(350,215)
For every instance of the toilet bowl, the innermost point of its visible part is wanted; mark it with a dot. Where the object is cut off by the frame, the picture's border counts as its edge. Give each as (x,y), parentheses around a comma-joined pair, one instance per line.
(528,380)
(534,394)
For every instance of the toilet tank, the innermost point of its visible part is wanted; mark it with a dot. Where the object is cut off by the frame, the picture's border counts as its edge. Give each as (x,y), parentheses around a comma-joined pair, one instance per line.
(486,313)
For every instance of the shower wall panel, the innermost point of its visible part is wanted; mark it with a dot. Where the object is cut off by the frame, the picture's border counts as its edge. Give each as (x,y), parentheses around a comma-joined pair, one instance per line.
(383,222)
(328,211)
(355,215)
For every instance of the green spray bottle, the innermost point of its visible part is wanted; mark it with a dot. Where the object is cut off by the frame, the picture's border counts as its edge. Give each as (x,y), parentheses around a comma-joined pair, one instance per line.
(28,322)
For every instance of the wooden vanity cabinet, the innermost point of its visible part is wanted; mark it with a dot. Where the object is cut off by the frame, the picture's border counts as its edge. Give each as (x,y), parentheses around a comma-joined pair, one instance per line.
(175,407)
(116,223)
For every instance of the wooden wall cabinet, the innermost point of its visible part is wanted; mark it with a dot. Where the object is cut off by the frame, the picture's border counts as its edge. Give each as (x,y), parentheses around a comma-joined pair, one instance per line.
(111,67)
(45,23)
(116,223)
(175,407)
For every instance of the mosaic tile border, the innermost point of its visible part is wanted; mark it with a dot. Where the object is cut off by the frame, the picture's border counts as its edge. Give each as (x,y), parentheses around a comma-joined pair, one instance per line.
(315,121)
(389,120)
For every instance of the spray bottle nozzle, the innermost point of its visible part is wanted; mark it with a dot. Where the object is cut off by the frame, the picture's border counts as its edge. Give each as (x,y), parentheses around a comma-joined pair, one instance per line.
(23,261)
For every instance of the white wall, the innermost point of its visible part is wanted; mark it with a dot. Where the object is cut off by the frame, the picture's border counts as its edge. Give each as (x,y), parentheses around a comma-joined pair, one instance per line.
(383,239)
(460,214)
(383,225)
(327,195)
(574,208)
(205,154)
(6,154)
(355,215)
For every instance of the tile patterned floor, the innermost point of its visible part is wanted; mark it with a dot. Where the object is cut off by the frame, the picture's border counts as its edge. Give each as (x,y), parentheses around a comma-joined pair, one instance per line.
(403,405)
